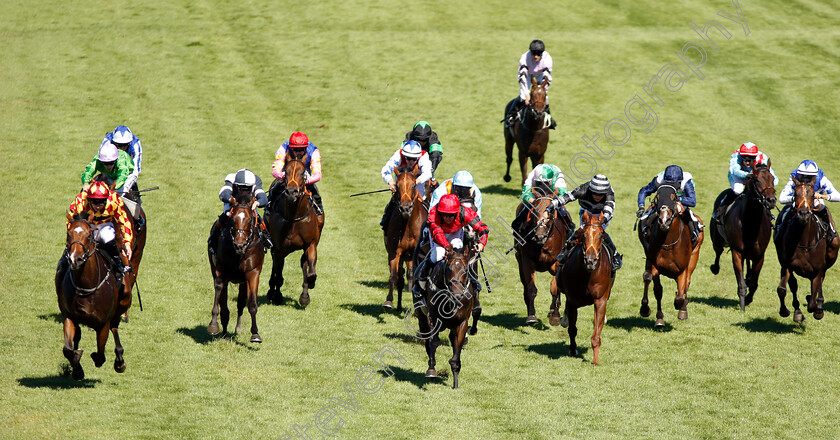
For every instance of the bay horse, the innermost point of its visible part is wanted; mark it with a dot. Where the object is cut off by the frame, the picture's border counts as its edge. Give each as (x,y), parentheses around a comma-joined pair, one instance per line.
(403,232)
(449,308)
(804,249)
(139,244)
(745,228)
(89,294)
(529,132)
(294,225)
(239,260)
(666,239)
(544,238)
(586,279)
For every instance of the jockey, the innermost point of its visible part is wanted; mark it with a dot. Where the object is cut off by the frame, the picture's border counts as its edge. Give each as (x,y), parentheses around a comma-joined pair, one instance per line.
(125,140)
(808,172)
(595,196)
(549,178)
(682,181)
(105,210)
(114,164)
(242,180)
(409,156)
(429,142)
(447,221)
(535,63)
(741,165)
(298,147)
(463,186)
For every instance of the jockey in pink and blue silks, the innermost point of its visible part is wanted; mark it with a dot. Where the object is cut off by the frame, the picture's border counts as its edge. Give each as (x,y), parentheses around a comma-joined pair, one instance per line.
(298,147)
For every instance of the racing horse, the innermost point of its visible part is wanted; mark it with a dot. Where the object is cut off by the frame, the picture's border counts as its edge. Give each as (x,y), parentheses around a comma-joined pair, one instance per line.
(89,294)
(745,228)
(586,278)
(544,236)
(239,260)
(666,239)
(294,225)
(805,249)
(402,233)
(449,307)
(529,132)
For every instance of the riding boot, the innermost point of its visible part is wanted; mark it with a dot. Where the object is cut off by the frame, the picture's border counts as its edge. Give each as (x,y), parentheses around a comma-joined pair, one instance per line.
(724,201)
(616,257)
(567,221)
(567,249)
(553,123)
(823,214)
(215,232)
(264,235)
(386,216)
(113,251)
(516,224)
(316,197)
(140,223)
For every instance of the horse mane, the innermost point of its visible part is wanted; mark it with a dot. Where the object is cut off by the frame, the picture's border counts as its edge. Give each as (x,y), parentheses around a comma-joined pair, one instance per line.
(82,216)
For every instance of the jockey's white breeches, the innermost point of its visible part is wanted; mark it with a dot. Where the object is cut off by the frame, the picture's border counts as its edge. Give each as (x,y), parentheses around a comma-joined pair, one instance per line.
(437,252)
(737,184)
(104,232)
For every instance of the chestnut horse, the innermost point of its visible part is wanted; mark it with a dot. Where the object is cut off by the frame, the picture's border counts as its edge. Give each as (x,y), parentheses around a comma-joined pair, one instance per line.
(803,249)
(530,132)
(402,233)
(294,225)
(239,260)
(745,227)
(544,238)
(89,294)
(666,239)
(449,308)
(585,278)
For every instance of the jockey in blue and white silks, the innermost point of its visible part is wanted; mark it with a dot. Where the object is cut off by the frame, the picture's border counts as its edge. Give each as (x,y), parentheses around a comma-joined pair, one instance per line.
(683,184)
(808,172)
(125,140)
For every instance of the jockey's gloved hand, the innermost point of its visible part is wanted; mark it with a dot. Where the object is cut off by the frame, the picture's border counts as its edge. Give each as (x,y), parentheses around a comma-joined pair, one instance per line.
(640,212)
(449,249)
(479,247)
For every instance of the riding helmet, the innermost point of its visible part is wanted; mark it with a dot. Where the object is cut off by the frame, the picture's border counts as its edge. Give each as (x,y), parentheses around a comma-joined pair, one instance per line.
(463,178)
(748,149)
(449,204)
(673,173)
(411,150)
(298,140)
(599,184)
(108,152)
(537,47)
(122,135)
(422,131)
(98,190)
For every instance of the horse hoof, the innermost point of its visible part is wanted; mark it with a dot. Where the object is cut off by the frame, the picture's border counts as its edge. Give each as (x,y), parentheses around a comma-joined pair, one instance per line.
(659,323)
(98,359)
(304,299)
(554,320)
(124,318)
(564,321)
(213,329)
(531,319)
(644,310)
(278,299)
(682,315)
(798,317)
(431,373)
(715,268)
(388,305)
(572,351)
(748,299)
(119,367)
(784,312)
(256,338)
(78,373)
(507,178)
(473,330)
(818,315)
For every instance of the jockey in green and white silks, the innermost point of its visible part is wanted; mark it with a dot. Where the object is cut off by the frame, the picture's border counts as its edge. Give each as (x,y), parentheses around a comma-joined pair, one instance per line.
(549,178)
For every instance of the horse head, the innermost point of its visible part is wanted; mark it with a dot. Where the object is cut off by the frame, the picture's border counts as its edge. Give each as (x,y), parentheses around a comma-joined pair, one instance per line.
(295,179)
(803,197)
(80,243)
(666,205)
(541,217)
(406,189)
(456,271)
(538,96)
(760,186)
(593,229)
(243,227)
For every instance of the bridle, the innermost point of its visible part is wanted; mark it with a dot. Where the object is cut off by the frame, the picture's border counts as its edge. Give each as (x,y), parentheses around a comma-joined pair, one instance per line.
(759,194)
(235,232)
(89,251)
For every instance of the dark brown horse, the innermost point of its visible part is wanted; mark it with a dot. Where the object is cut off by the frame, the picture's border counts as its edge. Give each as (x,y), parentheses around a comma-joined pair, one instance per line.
(586,279)
(402,233)
(745,228)
(530,132)
(239,260)
(89,294)
(666,239)
(544,238)
(294,225)
(449,308)
(804,249)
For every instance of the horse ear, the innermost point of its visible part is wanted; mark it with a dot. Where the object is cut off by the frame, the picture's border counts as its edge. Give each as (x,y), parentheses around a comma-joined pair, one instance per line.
(533,81)
(544,82)
(232,201)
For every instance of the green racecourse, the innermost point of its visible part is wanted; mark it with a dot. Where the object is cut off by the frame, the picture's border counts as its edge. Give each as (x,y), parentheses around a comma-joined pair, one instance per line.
(211,87)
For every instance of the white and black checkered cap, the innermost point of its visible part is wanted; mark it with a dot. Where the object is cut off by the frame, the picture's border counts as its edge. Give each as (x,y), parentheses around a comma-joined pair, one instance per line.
(599,184)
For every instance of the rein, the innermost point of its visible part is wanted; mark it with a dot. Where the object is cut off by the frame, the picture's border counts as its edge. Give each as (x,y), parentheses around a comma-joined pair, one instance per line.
(90,249)
(251,229)
(293,172)
(83,292)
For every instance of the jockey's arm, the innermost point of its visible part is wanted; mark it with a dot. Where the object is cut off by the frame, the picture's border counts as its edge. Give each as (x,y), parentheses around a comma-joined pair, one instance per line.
(279,162)
(425,169)
(388,170)
(786,197)
(89,172)
(124,169)
(524,78)
(315,167)
(829,190)
(259,194)
(646,191)
(689,197)
(477,199)
(526,195)
(227,189)
(735,168)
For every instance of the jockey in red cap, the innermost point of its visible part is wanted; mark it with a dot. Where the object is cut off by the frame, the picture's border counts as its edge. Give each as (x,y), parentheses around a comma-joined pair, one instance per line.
(298,147)
(741,165)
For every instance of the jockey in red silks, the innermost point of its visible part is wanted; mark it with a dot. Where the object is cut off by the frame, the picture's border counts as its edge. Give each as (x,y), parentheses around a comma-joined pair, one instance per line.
(298,147)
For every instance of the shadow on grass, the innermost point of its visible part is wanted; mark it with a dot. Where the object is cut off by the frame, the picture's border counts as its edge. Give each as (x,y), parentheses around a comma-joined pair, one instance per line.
(501,190)
(832,306)
(56,317)
(419,379)
(375,284)
(716,301)
(510,321)
(372,310)
(636,322)
(554,350)
(200,336)
(57,382)
(768,325)
(405,337)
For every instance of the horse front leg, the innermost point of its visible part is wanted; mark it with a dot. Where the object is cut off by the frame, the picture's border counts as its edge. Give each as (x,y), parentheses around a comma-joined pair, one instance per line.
(647,277)
(457,336)
(782,291)
(529,292)
(476,314)
(657,293)
(523,166)
(409,277)
(815,299)
(253,289)
(571,315)
(600,313)
(794,289)
(752,279)
(509,154)
(241,300)
(101,338)
(717,245)
(218,286)
(393,270)
(554,311)
(119,362)
(275,282)
(681,300)
(71,348)
(738,267)
(307,266)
